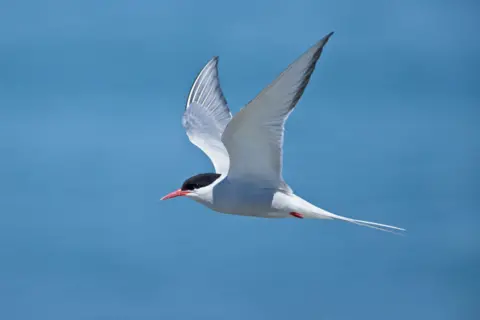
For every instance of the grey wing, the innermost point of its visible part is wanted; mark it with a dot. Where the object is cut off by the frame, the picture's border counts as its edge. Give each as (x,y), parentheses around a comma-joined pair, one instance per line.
(206,116)
(254,137)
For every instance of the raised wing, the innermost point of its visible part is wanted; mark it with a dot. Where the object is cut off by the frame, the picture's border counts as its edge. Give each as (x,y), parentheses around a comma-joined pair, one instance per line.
(254,137)
(206,116)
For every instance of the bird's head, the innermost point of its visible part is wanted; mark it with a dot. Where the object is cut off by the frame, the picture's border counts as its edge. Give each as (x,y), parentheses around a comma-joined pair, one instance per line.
(193,186)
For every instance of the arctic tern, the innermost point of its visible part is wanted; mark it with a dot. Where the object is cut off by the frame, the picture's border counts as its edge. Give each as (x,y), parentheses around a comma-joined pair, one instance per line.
(246,150)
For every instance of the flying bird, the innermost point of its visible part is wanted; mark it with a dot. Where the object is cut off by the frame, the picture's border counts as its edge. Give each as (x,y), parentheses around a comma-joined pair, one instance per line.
(246,149)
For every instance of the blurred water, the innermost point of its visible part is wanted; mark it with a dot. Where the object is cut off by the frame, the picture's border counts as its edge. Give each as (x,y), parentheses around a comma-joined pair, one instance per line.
(90,138)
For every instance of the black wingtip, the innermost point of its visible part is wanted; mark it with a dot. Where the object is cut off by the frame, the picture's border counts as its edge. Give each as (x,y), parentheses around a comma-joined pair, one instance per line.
(324,40)
(328,36)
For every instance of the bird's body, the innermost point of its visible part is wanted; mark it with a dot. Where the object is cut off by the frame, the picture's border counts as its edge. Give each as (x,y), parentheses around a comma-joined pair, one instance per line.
(248,199)
(246,150)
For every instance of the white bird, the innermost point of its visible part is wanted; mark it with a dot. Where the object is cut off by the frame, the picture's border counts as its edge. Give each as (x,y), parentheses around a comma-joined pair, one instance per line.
(246,150)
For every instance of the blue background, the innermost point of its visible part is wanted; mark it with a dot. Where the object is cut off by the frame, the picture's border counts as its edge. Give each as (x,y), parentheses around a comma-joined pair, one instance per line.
(91,97)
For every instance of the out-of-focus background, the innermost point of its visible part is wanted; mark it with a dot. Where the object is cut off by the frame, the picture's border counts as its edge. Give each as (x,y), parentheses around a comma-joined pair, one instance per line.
(91,99)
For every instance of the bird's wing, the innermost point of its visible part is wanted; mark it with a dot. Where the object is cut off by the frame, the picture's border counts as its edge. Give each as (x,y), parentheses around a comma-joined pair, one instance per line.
(254,137)
(206,116)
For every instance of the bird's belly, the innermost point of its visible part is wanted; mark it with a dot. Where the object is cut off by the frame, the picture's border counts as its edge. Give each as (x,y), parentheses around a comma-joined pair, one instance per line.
(243,200)
(238,204)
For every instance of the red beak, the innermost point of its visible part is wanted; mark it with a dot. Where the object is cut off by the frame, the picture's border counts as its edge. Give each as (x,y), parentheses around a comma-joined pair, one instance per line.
(176,193)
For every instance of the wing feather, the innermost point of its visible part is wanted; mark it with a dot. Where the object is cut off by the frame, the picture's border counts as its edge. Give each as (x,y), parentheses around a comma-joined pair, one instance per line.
(254,137)
(207,114)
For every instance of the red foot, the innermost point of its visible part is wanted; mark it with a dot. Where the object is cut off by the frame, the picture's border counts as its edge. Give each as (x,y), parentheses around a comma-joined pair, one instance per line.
(296,215)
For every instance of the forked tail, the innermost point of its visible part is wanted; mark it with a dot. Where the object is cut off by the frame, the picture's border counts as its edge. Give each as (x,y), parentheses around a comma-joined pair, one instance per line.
(301,208)
(373,225)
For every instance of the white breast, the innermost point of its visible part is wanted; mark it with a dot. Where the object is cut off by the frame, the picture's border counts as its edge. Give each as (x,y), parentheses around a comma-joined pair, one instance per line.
(242,198)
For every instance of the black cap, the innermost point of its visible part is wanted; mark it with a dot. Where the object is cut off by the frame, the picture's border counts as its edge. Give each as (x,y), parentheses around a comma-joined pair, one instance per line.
(200,181)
